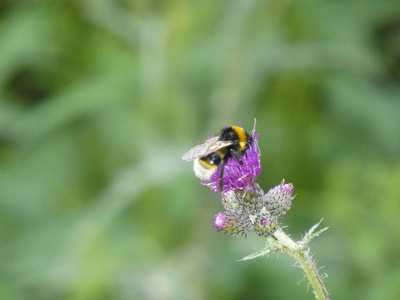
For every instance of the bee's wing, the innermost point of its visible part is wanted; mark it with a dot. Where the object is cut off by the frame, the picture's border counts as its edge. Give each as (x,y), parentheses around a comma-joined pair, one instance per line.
(206,148)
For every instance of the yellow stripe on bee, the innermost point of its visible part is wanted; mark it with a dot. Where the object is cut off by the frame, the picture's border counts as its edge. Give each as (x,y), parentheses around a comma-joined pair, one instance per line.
(206,164)
(242,136)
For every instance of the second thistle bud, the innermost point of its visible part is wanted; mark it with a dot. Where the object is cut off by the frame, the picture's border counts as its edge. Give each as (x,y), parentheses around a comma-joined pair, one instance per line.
(265,224)
(232,224)
(278,200)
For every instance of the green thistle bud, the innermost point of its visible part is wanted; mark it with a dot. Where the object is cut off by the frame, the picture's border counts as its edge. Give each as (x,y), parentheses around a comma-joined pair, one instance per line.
(278,200)
(265,224)
(232,224)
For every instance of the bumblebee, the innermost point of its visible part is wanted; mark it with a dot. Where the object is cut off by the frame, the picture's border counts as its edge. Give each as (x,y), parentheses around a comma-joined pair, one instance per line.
(229,142)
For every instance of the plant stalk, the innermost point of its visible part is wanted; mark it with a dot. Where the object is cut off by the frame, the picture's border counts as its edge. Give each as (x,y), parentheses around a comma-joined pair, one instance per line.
(306,263)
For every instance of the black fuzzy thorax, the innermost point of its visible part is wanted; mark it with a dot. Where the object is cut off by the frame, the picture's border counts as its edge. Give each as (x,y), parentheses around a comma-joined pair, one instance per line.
(230,134)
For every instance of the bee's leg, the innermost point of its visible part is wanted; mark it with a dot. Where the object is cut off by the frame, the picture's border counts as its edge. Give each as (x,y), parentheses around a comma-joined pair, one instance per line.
(221,175)
(237,156)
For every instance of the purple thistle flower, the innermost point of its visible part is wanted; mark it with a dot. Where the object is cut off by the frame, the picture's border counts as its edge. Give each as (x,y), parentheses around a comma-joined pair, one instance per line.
(239,176)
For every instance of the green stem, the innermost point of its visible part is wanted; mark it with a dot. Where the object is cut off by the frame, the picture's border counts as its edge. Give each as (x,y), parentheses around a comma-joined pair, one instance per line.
(306,263)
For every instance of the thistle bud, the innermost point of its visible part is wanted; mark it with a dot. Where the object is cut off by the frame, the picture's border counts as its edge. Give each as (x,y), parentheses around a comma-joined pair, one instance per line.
(265,225)
(232,224)
(278,200)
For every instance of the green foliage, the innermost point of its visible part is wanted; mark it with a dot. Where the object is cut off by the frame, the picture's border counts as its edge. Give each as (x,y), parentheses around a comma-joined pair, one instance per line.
(99,99)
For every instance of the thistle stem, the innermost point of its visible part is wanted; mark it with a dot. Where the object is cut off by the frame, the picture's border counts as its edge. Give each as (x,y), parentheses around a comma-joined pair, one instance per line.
(303,257)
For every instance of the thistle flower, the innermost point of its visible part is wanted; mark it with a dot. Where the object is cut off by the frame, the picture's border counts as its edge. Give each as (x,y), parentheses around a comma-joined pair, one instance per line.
(239,176)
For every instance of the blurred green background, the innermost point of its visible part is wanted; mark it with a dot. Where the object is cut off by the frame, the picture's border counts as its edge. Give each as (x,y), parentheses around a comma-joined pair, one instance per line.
(100,98)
